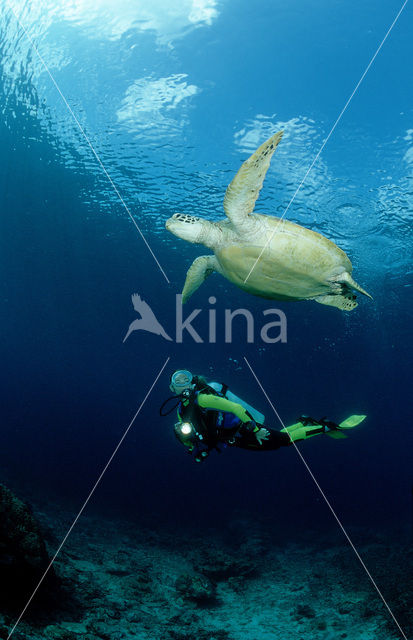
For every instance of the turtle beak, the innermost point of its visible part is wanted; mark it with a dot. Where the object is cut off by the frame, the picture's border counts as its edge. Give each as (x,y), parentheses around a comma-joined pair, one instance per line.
(186,227)
(174,224)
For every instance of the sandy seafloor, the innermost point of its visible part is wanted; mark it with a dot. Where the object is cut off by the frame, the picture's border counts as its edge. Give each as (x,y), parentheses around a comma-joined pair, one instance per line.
(140,581)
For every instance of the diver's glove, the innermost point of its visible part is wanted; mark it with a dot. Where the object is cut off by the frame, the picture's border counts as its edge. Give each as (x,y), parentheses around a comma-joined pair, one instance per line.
(248,427)
(261,435)
(259,432)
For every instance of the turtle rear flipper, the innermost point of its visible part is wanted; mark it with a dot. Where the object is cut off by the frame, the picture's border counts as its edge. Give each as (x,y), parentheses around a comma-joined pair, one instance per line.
(345,302)
(346,279)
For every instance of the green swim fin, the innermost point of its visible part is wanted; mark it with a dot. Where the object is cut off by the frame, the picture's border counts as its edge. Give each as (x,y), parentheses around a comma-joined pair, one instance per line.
(349,423)
(301,431)
(336,434)
(352,421)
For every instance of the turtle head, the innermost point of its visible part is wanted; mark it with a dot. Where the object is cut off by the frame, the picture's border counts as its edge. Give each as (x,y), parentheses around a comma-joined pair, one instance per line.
(187,227)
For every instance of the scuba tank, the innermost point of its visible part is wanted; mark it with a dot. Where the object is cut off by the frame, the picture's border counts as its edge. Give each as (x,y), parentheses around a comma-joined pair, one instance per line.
(224,391)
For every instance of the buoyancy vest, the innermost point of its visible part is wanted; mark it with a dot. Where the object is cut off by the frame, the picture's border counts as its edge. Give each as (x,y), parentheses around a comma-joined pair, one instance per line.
(204,421)
(211,426)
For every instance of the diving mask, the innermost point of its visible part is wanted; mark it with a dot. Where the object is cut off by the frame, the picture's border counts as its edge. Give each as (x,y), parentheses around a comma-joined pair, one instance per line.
(180,380)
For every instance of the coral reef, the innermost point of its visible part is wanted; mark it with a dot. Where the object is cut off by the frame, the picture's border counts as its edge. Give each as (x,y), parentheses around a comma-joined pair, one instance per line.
(220,564)
(195,587)
(23,554)
(129,581)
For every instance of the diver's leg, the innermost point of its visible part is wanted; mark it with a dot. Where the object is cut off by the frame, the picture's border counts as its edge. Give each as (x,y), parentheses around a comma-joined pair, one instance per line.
(275,440)
(296,432)
(299,431)
(309,428)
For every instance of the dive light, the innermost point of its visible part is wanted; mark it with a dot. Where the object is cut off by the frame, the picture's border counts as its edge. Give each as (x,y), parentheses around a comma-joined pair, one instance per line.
(186,428)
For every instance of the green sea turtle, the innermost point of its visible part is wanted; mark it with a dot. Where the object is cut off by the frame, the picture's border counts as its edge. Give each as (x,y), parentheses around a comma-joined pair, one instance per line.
(266,256)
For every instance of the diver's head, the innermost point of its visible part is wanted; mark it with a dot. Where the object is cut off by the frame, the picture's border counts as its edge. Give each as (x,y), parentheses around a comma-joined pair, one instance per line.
(180,380)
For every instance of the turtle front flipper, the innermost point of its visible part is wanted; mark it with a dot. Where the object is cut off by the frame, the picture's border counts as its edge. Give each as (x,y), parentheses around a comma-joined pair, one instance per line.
(199,270)
(244,189)
(345,302)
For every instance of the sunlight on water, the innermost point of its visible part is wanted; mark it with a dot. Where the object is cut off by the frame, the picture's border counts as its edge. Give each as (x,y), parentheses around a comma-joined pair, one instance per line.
(126,72)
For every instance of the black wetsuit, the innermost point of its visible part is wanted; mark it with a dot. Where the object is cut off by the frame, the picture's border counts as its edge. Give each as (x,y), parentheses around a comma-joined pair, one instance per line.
(220,422)
(275,440)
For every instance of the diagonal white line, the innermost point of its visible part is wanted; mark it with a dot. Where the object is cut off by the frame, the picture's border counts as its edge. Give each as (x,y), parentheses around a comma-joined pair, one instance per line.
(87,499)
(327,138)
(326,500)
(82,131)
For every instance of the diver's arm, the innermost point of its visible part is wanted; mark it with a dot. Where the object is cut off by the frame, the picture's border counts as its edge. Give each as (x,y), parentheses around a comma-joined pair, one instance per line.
(217,403)
(208,401)
(248,425)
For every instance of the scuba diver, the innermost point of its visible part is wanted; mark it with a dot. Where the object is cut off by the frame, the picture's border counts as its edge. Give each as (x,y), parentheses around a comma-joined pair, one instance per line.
(210,416)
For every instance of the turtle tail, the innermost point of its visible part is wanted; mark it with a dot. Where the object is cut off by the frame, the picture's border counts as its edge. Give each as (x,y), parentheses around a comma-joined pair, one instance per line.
(345,278)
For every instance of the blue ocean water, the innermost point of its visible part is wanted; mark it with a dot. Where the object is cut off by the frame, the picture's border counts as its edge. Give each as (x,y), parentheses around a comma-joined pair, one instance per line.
(173,97)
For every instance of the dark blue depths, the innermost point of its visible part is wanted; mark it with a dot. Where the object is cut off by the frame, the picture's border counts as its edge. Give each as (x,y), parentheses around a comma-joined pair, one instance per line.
(173,110)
